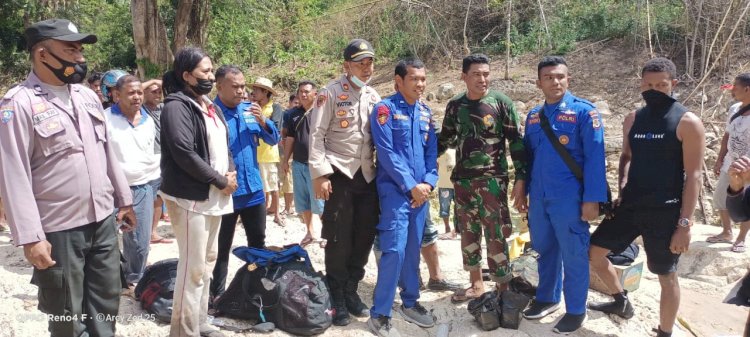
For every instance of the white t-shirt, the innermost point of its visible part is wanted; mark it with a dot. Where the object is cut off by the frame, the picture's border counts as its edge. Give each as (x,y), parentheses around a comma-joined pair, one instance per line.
(133,146)
(218,203)
(446,163)
(738,143)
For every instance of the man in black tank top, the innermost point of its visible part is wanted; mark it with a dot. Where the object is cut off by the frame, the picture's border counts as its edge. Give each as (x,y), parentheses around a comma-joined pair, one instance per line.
(659,180)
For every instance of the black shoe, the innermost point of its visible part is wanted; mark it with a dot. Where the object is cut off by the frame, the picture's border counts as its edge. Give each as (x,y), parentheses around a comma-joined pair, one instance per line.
(538,310)
(660,333)
(620,307)
(569,323)
(341,315)
(443,285)
(355,306)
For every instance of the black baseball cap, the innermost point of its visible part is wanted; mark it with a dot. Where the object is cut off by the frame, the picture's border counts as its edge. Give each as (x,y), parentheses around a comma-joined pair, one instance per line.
(357,50)
(56,29)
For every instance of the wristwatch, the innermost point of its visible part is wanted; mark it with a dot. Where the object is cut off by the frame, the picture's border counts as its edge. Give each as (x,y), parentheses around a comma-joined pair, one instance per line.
(684,222)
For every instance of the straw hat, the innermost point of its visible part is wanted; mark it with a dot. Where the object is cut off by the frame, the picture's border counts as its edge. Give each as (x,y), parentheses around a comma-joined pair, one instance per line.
(264,83)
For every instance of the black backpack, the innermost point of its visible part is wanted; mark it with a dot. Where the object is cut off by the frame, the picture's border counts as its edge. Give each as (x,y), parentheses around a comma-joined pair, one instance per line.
(279,287)
(156,288)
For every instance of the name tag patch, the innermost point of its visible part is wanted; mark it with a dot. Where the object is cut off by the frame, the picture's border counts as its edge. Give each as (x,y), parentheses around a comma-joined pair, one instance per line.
(42,116)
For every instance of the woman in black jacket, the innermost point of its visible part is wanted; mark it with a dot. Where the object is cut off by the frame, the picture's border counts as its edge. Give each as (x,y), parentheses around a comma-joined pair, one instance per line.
(198,179)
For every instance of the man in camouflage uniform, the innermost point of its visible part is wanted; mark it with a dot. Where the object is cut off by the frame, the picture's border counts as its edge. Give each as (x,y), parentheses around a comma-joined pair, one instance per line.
(477,123)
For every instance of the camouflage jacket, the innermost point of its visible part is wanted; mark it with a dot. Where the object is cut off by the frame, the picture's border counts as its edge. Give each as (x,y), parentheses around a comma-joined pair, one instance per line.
(478,130)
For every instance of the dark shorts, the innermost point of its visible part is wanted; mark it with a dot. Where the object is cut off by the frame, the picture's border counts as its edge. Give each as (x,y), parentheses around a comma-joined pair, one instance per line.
(656,225)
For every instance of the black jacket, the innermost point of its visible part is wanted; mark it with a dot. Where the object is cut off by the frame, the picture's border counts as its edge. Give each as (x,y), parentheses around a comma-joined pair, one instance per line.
(185,162)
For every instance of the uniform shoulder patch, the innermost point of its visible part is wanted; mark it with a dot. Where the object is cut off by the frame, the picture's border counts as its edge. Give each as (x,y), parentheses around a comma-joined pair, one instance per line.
(322,98)
(6,112)
(383,114)
(596,119)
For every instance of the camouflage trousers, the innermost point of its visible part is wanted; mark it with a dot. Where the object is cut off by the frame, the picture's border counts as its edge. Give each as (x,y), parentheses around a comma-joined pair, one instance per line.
(482,205)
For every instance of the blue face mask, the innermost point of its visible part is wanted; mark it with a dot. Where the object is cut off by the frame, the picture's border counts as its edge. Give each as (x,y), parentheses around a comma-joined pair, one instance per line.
(356,81)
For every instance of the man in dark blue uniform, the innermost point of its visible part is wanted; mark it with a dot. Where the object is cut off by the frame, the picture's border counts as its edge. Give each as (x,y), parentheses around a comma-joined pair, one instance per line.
(560,204)
(406,148)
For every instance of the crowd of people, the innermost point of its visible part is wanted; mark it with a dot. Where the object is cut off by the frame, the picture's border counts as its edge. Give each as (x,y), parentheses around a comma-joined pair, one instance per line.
(80,162)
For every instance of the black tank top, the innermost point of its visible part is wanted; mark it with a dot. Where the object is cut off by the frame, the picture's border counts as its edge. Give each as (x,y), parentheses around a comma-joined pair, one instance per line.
(657,175)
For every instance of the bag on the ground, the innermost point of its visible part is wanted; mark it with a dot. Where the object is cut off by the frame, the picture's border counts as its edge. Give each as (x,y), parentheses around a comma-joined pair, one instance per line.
(280,287)
(156,288)
(525,272)
(486,309)
(626,257)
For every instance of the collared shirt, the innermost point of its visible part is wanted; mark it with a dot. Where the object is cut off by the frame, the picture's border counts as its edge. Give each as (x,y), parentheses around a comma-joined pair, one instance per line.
(269,153)
(340,130)
(406,144)
(156,116)
(578,126)
(58,168)
(244,138)
(133,145)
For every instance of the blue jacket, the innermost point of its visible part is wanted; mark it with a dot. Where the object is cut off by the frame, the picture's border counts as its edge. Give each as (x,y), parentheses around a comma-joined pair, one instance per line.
(244,132)
(578,126)
(405,143)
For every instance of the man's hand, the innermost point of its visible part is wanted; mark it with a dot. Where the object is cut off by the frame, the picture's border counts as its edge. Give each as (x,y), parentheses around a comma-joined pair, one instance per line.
(258,113)
(518,195)
(126,218)
(322,187)
(39,254)
(589,211)
(739,173)
(232,184)
(680,240)
(420,194)
(284,166)
(717,167)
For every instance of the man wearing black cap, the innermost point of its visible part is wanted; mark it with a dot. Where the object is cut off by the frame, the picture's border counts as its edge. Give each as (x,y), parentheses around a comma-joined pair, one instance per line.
(65,182)
(343,172)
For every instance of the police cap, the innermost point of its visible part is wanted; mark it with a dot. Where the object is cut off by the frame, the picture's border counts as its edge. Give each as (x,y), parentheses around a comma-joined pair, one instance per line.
(357,50)
(56,29)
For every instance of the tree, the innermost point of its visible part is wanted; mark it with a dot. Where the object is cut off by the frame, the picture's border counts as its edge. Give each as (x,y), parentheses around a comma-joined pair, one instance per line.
(153,55)
(191,22)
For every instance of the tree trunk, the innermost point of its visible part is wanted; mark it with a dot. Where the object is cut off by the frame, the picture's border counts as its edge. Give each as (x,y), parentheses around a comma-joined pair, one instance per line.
(190,23)
(150,38)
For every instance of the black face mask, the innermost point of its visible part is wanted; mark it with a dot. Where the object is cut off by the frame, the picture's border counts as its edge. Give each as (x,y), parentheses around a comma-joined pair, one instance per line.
(203,87)
(70,72)
(656,99)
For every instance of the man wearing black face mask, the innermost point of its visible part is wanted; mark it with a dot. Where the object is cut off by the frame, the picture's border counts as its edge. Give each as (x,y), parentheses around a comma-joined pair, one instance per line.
(659,180)
(61,183)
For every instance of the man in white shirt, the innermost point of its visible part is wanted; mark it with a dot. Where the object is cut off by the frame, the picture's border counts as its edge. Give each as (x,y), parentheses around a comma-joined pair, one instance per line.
(132,134)
(734,144)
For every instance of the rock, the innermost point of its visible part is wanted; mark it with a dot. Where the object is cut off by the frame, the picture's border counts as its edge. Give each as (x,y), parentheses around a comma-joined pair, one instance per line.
(520,106)
(445,91)
(603,107)
(430,96)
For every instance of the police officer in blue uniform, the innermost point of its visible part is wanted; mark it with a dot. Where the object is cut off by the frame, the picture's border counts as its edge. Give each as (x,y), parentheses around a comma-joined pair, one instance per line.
(560,205)
(246,126)
(406,148)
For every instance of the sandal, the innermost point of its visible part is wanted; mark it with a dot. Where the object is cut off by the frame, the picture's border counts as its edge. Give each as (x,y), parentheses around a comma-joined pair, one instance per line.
(448,236)
(306,241)
(738,247)
(464,295)
(718,239)
(160,239)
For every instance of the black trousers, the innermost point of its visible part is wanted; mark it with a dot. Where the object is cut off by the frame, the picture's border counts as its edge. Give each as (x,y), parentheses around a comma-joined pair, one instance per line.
(84,281)
(254,221)
(349,219)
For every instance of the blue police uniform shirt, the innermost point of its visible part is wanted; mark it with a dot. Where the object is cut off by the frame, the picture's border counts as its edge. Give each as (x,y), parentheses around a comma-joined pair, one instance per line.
(405,143)
(578,126)
(244,135)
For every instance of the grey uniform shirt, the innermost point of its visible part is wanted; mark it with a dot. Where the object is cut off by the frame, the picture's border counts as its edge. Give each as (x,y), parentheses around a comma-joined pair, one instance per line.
(340,130)
(57,170)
